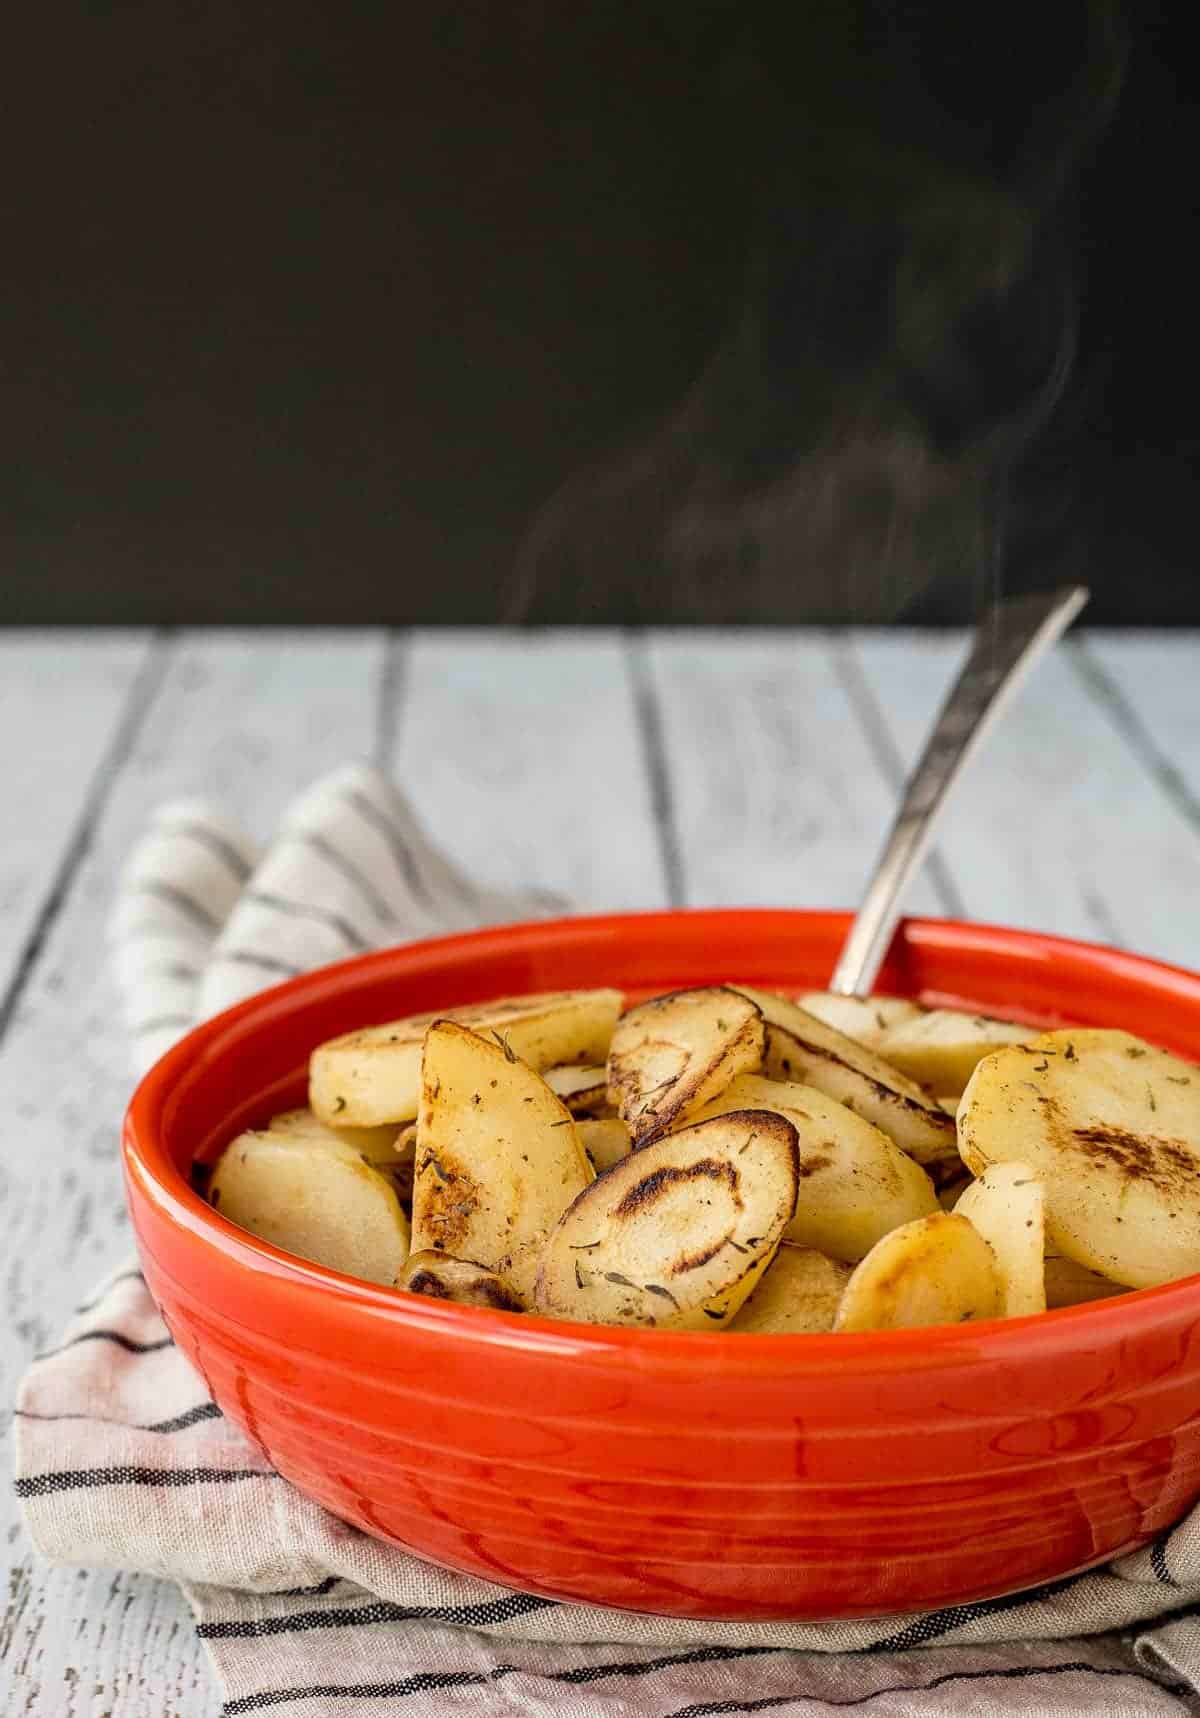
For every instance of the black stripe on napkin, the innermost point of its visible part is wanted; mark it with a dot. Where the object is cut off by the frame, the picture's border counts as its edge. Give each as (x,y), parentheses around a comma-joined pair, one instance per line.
(921,1630)
(263,962)
(124,1277)
(179,1423)
(179,1022)
(187,904)
(94,1478)
(483,1615)
(125,1342)
(1158,1562)
(345,867)
(393,838)
(423,1682)
(309,910)
(225,851)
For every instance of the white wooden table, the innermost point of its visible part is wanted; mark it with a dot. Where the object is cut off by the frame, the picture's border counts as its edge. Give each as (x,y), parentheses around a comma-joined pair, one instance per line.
(619,770)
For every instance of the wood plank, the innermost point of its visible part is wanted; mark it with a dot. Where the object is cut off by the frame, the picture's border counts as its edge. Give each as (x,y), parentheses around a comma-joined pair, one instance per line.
(779,795)
(522,753)
(1058,824)
(248,719)
(62,696)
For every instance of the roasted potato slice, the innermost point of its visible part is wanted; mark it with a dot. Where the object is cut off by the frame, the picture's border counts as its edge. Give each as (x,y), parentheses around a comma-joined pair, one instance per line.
(855,1185)
(670,1056)
(942,1048)
(801,1047)
(373,1075)
(498,1158)
(606,1141)
(377,1144)
(866,1019)
(938,1270)
(678,1233)
(799,1292)
(1007,1207)
(1111,1128)
(459,1280)
(583,1090)
(1069,1284)
(316,1197)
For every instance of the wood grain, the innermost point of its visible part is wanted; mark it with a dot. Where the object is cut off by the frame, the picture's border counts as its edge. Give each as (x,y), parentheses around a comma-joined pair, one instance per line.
(1058,824)
(248,719)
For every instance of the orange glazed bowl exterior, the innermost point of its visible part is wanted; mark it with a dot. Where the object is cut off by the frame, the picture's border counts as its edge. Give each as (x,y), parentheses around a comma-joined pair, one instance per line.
(694,1474)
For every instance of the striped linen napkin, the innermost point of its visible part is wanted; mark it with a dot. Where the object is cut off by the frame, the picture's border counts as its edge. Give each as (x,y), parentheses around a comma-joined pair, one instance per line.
(123,1461)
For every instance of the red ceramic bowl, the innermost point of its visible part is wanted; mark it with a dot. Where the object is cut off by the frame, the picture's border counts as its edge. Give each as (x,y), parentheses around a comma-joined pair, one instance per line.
(696,1474)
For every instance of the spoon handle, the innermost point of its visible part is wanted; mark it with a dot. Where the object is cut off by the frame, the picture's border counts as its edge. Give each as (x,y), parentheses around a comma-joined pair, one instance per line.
(1011,638)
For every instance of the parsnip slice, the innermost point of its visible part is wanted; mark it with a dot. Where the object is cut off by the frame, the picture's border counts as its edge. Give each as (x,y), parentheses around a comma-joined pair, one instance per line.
(583,1090)
(606,1141)
(678,1233)
(1111,1127)
(458,1280)
(1007,1207)
(938,1270)
(866,1019)
(317,1198)
(1069,1284)
(799,1292)
(941,1049)
(377,1144)
(373,1075)
(801,1047)
(670,1056)
(855,1185)
(498,1158)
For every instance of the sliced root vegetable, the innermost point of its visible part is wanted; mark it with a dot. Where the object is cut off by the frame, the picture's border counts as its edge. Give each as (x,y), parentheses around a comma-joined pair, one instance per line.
(799,1293)
(672,1055)
(318,1198)
(855,1184)
(938,1270)
(941,1049)
(371,1076)
(866,1019)
(377,1144)
(1111,1128)
(1069,1284)
(498,1157)
(800,1047)
(458,1280)
(1007,1207)
(678,1233)
(606,1141)
(583,1090)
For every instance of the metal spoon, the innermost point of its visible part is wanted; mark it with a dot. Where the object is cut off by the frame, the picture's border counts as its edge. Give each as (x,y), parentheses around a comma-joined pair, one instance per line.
(1012,637)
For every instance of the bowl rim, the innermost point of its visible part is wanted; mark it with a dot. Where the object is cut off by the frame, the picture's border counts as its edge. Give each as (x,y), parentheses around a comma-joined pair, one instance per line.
(149,1167)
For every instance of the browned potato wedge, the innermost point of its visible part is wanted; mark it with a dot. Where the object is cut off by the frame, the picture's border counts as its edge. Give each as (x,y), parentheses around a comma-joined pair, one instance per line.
(800,1291)
(670,1056)
(1007,1207)
(498,1156)
(1111,1128)
(855,1185)
(316,1197)
(678,1233)
(938,1270)
(606,1141)
(801,1047)
(459,1280)
(405,1147)
(866,1019)
(941,1049)
(1069,1284)
(583,1090)
(374,1075)
(377,1144)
